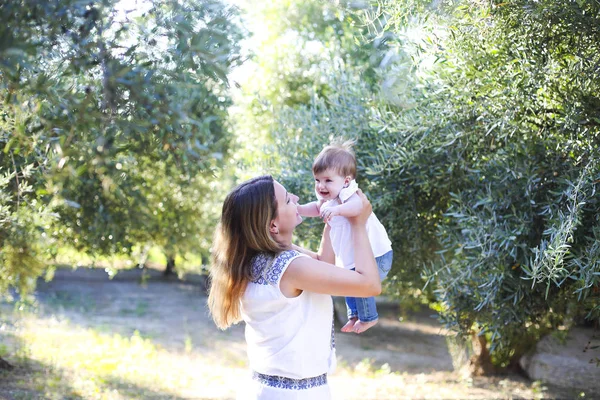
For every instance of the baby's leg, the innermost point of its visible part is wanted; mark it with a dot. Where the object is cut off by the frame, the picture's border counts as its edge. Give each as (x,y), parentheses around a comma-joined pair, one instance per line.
(352,314)
(367,314)
(367,310)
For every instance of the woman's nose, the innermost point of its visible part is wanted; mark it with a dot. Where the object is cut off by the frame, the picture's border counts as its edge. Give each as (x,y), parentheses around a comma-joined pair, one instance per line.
(295,198)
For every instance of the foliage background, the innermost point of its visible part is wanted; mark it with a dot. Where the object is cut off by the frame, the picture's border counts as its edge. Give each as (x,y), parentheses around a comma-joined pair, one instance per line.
(477,128)
(114,125)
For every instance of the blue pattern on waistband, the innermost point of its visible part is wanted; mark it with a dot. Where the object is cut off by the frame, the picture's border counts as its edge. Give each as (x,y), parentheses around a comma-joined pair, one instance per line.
(289,383)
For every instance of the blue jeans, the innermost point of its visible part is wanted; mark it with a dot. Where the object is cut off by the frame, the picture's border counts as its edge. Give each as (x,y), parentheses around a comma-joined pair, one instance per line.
(365,308)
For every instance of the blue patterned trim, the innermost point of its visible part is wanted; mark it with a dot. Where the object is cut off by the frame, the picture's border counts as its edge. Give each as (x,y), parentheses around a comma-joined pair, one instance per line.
(289,383)
(265,271)
(333,330)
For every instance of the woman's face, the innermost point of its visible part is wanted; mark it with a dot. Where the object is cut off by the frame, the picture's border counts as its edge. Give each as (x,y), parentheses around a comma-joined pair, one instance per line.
(287,209)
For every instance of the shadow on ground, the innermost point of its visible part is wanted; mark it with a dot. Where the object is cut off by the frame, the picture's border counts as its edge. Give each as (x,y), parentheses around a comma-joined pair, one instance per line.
(34,380)
(171,312)
(410,354)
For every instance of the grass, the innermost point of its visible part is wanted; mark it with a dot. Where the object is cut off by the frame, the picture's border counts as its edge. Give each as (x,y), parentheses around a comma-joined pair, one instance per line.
(63,360)
(71,301)
(3,350)
(64,346)
(141,309)
(60,360)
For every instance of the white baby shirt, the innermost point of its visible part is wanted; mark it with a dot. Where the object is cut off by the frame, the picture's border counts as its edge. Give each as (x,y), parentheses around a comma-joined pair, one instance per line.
(341,232)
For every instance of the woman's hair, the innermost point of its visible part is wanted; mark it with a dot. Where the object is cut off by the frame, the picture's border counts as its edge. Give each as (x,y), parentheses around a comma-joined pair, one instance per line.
(337,156)
(242,232)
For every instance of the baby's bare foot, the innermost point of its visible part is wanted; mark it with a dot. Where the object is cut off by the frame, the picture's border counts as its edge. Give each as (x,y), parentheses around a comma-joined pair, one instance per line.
(349,325)
(361,326)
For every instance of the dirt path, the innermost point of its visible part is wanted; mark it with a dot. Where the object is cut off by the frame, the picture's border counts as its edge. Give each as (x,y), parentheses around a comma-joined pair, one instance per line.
(407,359)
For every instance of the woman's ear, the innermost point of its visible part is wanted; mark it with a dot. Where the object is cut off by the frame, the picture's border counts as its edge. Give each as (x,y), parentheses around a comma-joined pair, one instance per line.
(273,228)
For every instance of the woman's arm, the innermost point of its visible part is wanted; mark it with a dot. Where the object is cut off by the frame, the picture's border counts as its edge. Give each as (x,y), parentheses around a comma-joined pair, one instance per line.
(305,273)
(302,250)
(325,252)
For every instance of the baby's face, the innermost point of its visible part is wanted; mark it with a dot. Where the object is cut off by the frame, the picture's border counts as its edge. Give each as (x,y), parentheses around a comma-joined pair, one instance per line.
(328,184)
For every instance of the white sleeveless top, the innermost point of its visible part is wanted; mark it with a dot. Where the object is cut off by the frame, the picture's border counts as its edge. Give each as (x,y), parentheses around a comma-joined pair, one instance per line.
(341,232)
(289,337)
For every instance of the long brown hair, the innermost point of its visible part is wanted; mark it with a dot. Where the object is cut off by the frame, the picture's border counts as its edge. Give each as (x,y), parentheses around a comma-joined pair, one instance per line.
(242,232)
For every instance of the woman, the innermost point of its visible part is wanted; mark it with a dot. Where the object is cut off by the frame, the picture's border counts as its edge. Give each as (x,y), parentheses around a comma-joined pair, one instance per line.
(283,293)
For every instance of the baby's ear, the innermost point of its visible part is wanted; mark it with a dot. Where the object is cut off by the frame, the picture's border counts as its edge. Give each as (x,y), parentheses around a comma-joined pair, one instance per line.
(347,180)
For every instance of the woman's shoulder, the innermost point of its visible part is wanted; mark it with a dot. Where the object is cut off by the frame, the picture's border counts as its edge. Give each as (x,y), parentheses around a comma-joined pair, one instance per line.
(284,258)
(268,268)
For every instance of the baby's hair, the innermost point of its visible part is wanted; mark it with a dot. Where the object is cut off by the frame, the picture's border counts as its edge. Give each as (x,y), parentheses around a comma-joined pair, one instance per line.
(337,156)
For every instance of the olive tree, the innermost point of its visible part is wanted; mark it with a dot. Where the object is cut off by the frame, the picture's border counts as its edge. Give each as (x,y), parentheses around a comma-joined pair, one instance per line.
(105,110)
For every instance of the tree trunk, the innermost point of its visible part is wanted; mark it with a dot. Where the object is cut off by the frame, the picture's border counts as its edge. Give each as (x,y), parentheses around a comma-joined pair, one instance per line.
(4,365)
(170,270)
(480,363)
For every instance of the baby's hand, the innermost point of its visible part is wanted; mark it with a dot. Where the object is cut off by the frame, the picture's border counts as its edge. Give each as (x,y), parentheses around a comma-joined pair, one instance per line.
(328,212)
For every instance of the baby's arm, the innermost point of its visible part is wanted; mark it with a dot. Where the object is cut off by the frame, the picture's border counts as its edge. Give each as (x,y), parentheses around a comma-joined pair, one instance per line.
(350,208)
(310,210)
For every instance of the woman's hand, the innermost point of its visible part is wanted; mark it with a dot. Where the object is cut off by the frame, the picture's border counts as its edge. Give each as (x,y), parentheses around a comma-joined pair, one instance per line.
(367,209)
(317,276)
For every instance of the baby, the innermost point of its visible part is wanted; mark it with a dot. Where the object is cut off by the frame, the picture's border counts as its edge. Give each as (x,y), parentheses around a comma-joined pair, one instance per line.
(334,170)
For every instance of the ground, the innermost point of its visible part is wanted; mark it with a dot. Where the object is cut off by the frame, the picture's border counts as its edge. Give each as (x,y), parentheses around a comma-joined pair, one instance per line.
(140,336)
